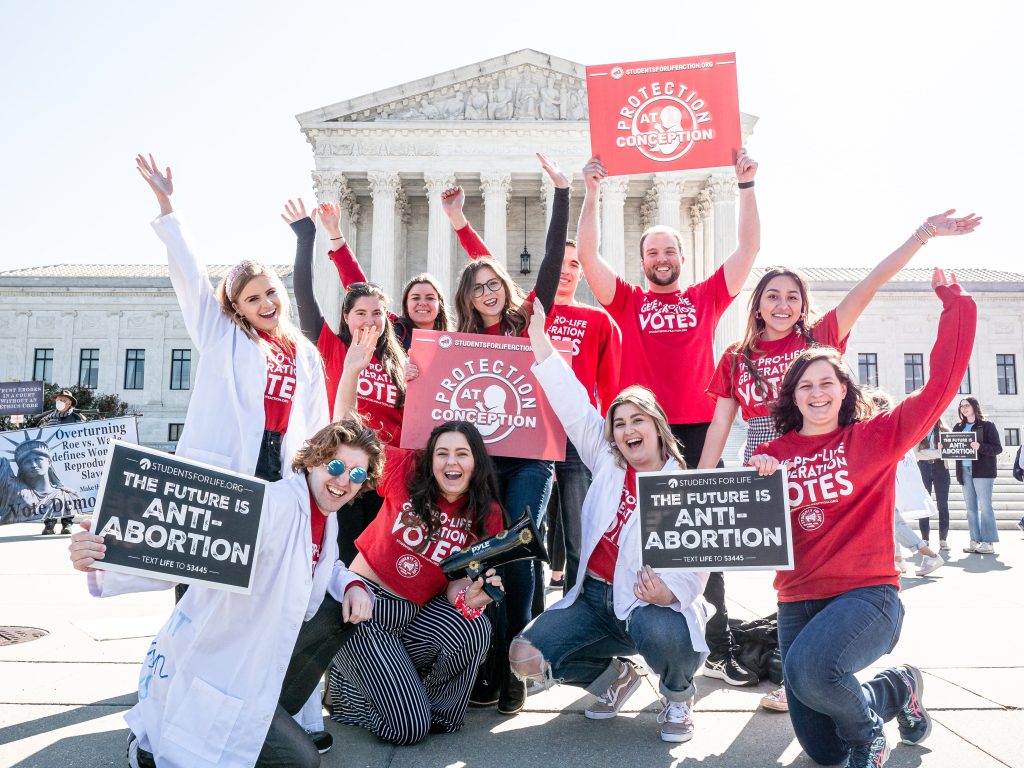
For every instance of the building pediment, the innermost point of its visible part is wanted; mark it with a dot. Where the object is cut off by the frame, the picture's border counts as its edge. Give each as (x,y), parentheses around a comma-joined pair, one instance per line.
(525,85)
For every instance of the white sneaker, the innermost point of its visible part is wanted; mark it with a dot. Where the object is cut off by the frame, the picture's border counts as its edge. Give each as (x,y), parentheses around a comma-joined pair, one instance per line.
(985,548)
(929,564)
(676,721)
(971,548)
(901,565)
(943,546)
(610,703)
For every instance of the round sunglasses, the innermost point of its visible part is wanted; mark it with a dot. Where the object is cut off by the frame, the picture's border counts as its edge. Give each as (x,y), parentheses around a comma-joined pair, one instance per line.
(336,468)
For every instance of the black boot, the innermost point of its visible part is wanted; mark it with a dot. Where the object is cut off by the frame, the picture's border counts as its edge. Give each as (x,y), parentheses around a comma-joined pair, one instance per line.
(513,693)
(48,526)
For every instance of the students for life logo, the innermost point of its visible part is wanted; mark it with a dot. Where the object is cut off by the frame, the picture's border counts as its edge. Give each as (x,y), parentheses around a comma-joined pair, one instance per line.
(654,115)
(811,519)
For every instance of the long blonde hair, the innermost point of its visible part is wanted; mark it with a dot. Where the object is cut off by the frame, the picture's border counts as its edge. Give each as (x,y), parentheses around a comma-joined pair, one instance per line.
(643,398)
(230,290)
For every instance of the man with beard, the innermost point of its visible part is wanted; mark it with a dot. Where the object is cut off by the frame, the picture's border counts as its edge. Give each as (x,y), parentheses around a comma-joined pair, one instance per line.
(668,336)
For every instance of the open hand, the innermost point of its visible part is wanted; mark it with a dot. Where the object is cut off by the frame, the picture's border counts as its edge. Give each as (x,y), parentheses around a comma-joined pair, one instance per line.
(296,212)
(361,350)
(86,548)
(551,168)
(162,184)
(330,217)
(944,224)
(939,277)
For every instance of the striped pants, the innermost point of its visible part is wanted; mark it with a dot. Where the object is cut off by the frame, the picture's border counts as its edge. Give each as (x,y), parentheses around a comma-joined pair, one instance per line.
(408,670)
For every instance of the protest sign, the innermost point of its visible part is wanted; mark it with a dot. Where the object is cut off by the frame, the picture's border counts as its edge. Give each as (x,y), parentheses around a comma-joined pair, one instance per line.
(21,398)
(487,381)
(178,520)
(718,519)
(665,115)
(957,445)
(55,471)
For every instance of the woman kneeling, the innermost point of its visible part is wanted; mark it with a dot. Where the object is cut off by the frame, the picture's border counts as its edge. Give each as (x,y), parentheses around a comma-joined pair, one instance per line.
(619,609)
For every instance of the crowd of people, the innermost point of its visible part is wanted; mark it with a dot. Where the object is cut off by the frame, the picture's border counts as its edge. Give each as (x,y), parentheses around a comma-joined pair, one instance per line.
(350,583)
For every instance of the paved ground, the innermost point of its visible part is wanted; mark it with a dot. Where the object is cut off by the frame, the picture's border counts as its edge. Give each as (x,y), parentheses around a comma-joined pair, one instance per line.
(61,697)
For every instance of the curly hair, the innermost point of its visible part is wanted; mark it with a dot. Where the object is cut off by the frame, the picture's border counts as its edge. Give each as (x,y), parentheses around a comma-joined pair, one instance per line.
(351,432)
(424,492)
(786,414)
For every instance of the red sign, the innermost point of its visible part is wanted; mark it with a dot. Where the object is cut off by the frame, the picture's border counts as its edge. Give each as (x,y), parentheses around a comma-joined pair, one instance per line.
(665,115)
(487,381)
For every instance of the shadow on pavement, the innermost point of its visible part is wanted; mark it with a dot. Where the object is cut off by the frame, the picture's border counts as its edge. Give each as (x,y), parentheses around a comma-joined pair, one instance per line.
(75,716)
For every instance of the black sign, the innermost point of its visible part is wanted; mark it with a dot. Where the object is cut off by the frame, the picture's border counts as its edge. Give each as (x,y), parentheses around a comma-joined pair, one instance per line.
(717,519)
(21,398)
(957,445)
(178,520)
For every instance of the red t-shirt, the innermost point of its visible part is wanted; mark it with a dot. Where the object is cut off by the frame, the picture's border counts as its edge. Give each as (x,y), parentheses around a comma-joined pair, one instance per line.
(842,485)
(277,399)
(317,522)
(376,391)
(594,336)
(732,379)
(602,560)
(668,343)
(391,546)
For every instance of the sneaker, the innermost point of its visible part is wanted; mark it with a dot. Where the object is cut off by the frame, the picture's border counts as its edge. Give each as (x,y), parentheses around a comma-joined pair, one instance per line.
(971,548)
(913,719)
(322,740)
(929,564)
(871,755)
(65,530)
(985,548)
(943,546)
(558,583)
(901,565)
(137,756)
(1020,523)
(676,721)
(775,700)
(610,703)
(727,668)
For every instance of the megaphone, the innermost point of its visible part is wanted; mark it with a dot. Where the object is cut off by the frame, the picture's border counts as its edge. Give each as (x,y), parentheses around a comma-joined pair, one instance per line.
(520,542)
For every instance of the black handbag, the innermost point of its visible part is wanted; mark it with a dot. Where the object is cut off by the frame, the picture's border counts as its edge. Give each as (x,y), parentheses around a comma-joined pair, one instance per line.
(1018,473)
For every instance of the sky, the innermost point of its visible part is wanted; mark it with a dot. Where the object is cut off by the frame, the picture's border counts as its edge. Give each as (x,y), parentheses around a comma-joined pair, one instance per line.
(872,115)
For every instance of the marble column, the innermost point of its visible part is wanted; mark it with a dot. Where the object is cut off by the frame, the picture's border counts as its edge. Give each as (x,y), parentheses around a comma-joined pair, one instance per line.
(697,239)
(669,189)
(330,187)
(403,216)
(495,188)
(384,188)
(613,225)
(723,192)
(439,230)
(27,361)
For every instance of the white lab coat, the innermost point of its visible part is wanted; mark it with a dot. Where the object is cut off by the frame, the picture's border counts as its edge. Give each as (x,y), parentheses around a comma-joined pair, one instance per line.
(585,428)
(225,419)
(912,498)
(210,683)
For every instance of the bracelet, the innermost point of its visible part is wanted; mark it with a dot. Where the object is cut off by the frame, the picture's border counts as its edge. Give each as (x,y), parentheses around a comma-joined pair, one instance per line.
(339,237)
(745,184)
(465,610)
(925,232)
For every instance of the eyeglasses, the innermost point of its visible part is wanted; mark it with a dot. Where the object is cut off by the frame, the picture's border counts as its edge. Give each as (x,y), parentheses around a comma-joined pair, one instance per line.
(493,286)
(336,468)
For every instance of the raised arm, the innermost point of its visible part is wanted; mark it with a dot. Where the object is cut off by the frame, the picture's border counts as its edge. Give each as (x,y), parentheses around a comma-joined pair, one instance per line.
(340,253)
(939,225)
(358,356)
(748,241)
(452,201)
(599,273)
(554,247)
(311,318)
(204,319)
(901,429)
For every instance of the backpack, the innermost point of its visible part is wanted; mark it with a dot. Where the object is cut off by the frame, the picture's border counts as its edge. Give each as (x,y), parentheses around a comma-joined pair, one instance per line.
(755,644)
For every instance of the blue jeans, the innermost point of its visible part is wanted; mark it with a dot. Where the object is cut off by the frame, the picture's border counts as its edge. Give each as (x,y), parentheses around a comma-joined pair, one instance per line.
(981,518)
(525,484)
(823,643)
(580,641)
(571,489)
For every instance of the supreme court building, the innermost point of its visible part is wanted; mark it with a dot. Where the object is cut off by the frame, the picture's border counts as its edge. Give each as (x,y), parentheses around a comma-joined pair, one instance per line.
(386,157)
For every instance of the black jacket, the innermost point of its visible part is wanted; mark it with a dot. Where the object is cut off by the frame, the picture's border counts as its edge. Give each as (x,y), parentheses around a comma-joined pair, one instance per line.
(989,446)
